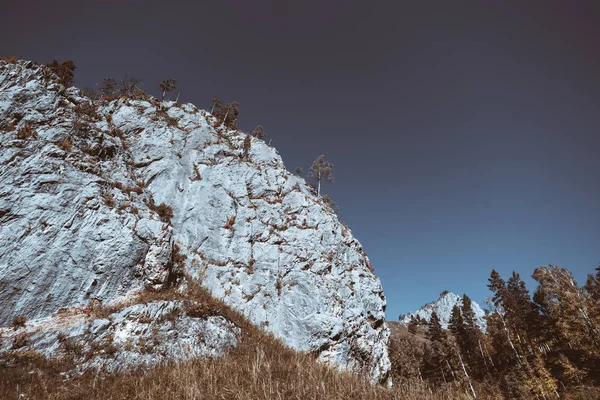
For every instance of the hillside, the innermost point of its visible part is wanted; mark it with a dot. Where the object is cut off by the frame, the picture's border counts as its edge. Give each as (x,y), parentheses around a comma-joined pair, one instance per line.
(105,200)
(258,367)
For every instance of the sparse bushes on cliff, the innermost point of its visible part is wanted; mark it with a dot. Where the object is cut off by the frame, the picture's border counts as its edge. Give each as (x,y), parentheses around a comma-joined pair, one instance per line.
(65,71)
(10,60)
(327,200)
(258,132)
(226,114)
(109,200)
(86,110)
(128,87)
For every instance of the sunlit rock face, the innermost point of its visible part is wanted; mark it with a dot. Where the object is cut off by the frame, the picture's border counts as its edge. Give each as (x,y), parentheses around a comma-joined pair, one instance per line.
(81,186)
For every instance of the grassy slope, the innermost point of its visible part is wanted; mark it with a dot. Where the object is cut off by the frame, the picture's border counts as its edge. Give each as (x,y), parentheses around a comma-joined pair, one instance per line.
(261,367)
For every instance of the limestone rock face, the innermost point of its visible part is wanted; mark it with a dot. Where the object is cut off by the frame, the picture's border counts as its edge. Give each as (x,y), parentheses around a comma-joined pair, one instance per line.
(142,334)
(82,187)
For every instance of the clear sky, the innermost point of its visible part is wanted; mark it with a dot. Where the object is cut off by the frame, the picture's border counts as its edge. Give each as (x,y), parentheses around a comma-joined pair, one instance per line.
(465,135)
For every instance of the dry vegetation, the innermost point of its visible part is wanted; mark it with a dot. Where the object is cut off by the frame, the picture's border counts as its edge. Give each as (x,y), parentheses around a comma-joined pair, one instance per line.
(260,367)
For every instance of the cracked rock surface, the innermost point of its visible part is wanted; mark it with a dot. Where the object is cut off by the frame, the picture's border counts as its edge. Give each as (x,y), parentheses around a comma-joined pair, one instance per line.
(139,335)
(82,187)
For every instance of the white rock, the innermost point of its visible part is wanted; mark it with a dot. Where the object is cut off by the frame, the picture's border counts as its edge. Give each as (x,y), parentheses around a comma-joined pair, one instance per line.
(253,232)
(139,335)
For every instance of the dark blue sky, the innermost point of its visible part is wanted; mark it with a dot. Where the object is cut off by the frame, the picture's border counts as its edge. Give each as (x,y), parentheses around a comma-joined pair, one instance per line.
(465,134)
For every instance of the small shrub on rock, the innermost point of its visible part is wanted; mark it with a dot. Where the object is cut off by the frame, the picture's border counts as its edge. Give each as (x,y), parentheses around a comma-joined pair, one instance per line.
(65,71)
(20,340)
(66,145)
(164,211)
(178,258)
(258,132)
(108,200)
(19,322)
(86,110)
(227,114)
(10,60)
(26,132)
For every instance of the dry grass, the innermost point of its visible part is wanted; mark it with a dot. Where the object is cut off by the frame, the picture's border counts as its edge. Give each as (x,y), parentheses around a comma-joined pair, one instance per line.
(260,367)
(164,211)
(66,145)
(26,132)
(247,373)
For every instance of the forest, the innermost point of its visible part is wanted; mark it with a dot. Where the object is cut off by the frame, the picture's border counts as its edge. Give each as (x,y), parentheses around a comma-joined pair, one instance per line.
(542,345)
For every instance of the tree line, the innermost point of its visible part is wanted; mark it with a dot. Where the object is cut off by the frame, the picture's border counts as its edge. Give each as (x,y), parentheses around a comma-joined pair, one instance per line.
(540,346)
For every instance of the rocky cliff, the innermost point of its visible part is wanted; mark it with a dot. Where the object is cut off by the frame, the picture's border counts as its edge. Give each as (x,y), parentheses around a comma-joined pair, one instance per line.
(102,200)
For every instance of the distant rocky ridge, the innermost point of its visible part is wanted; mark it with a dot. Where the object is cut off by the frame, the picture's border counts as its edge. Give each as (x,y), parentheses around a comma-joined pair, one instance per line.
(100,201)
(443,307)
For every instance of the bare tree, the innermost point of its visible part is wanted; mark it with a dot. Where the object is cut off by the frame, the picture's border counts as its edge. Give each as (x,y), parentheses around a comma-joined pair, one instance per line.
(167,86)
(126,87)
(216,103)
(320,169)
(130,87)
(109,87)
(258,132)
(227,114)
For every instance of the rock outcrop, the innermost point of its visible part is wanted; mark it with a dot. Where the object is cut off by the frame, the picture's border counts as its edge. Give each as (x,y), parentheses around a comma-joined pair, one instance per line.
(102,200)
(138,335)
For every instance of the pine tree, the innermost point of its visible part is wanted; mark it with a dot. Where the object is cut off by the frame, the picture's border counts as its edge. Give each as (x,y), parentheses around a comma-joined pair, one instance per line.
(498,287)
(456,323)
(435,332)
(520,310)
(500,322)
(412,325)
(468,314)
(320,170)
(470,339)
(592,285)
